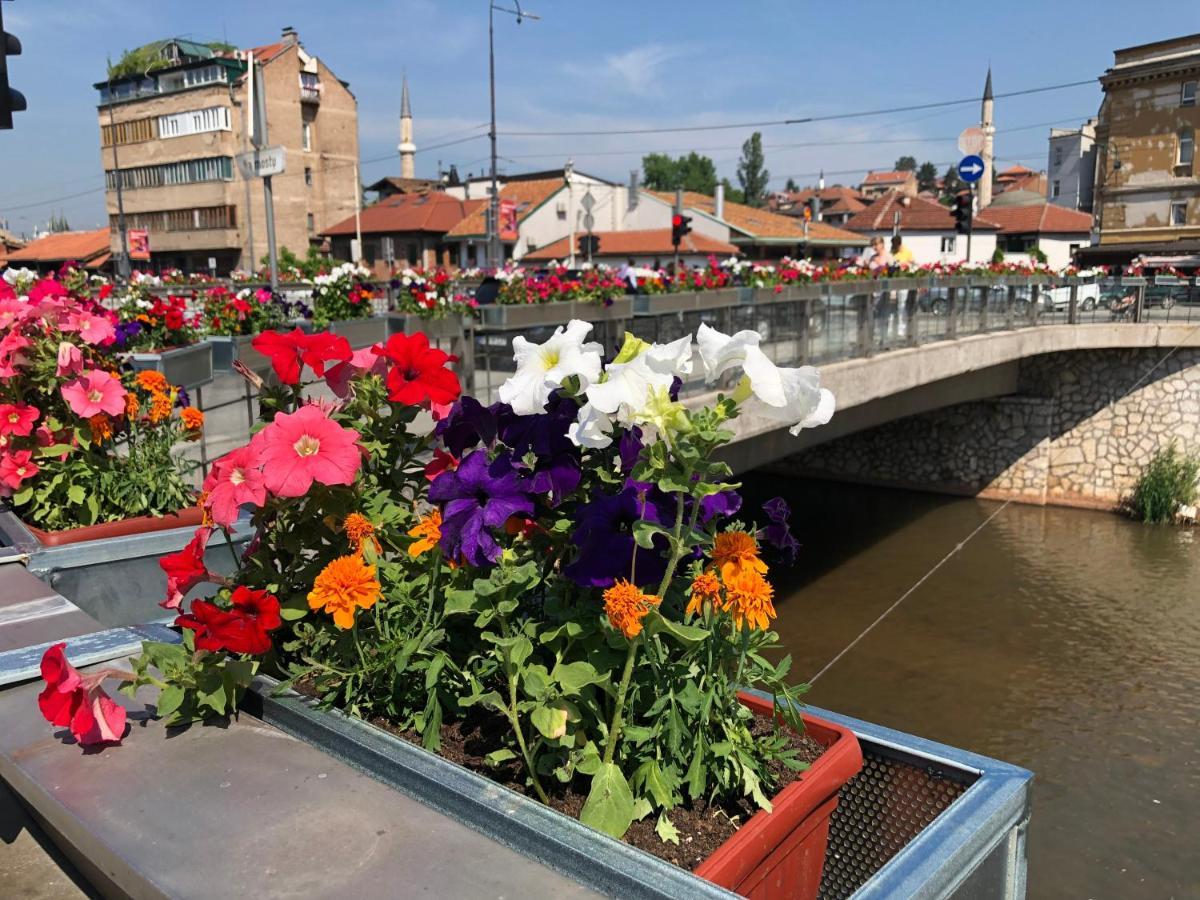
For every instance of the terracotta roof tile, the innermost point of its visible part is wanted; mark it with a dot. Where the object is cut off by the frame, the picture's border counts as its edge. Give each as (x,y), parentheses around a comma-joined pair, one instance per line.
(888,177)
(528,195)
(638,243)
(915,215)
(267,52)
(1043,218)
(81,246)
(432,212)
(764,224)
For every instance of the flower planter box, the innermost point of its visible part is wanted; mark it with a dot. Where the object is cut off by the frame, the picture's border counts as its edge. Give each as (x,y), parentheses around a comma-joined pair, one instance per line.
(540,315)
(186,518)
(776,854)
(447,328)
(687,301)
(361,332)
(228,349)
(188,367)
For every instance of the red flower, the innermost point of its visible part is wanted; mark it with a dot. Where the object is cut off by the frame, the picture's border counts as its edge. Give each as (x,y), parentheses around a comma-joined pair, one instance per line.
(105,292)
(174,319)
(323,349)
(418,374)
(242,629)
(443,461)
(290,352)
(79,702)
(17,418)
(186,569)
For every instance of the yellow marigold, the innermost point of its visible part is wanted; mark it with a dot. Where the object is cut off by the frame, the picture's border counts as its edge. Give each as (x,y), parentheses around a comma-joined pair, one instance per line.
(132,405)
(192,418)
(342,587)
(735,552)
(427,531)
(160,407)
(748,596)
(705,589)
(149,380)
(102,427)
(626,606)
(359,529)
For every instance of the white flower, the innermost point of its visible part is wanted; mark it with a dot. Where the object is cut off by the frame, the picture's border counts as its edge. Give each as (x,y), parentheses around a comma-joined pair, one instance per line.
(593,429)
(787,395)
(543,367)
(640,371)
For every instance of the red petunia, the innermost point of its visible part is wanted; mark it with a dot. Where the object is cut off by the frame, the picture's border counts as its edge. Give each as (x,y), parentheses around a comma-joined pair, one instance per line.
(78,702)
(324,349)
(242,629)
(186,569)
(289,352)
(418,374)
(443,461)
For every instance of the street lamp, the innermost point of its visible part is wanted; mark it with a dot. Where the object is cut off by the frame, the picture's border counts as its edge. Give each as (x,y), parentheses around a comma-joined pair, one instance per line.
(495,255)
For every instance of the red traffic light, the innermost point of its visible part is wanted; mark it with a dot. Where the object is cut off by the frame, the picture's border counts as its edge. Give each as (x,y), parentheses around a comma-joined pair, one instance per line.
(676,220)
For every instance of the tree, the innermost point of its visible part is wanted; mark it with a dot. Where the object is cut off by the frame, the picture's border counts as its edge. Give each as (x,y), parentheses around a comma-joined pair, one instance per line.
(58,223)
(732,194)
(791,187)
(691,173)
(906,164)
(951,185)
(751,171)
(658,172)
(927,177)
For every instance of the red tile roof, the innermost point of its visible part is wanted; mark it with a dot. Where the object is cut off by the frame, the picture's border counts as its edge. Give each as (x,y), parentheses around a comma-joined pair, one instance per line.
(267,52)
(916,214)
(1033,181)
(430,212)
(81,246)
(528,195)
(763,224)
(638,243)
(1043,218)
(888,177)
(1013,172)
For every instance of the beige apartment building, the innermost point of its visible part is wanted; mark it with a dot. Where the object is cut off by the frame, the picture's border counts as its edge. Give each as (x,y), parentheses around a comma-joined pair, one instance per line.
(1147,189)
(176,129)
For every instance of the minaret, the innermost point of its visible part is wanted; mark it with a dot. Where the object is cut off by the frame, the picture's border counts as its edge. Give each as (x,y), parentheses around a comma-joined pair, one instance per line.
(989,135)
(408,150)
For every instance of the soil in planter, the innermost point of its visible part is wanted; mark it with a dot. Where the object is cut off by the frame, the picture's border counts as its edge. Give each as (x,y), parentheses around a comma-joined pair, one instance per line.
(702,827)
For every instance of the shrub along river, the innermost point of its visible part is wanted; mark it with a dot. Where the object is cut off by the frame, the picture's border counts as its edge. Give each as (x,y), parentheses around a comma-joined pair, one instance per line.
(1062,640)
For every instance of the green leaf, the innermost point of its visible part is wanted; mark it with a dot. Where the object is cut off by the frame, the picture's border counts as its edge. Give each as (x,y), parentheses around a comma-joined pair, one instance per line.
(751,783)
(169,699)
(292,613)
(645,532)
(642,808)
(651,779)
(498,756)
(536,681)
(459,602)
(550,721)
(609,807)
(21,497)
(685,634)
(76,494)
(574,677)
(665,830)
(589,760)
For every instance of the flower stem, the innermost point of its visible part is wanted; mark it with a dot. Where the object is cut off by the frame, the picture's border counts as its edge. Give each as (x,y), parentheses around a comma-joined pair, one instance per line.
(614,730)
(237,560)
(516,724)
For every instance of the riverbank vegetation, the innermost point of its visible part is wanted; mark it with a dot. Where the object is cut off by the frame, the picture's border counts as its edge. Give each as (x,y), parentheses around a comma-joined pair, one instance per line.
(1168,483)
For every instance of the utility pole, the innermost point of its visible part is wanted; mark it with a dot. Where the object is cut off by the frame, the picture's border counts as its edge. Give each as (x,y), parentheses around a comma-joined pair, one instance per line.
(970,222)
(260,140)
(357,211)
(123,256)
(678,212)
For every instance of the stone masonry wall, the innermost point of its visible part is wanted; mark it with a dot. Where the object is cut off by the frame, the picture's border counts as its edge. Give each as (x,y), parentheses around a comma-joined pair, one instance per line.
(1079,433)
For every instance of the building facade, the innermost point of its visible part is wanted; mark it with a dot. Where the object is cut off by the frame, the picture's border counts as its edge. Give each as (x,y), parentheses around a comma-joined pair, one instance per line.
(1147,193)
(926,228)
(1071,167)
(171,134)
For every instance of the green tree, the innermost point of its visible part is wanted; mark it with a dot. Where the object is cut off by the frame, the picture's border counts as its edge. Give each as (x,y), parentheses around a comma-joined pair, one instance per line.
(659,172)
(751,171)
(693,172)
(58,223)
(732,194)
(906,164)
(791,187)
(927,177)
(951,185)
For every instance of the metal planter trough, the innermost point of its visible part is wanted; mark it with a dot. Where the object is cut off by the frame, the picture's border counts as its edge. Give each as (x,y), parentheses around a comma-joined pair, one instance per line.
(448,328)
(541,315)
(189,367)
(361,332)
(228,349)
(686,301)
(921,819)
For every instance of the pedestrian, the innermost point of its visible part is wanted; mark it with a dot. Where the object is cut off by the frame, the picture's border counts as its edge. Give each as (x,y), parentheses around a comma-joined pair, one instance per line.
(628,274)
(875,258)
(901,255)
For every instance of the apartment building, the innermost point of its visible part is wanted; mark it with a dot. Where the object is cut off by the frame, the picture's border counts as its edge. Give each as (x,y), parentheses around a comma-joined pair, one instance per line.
(1147,190)
(1071,169)
(172,123)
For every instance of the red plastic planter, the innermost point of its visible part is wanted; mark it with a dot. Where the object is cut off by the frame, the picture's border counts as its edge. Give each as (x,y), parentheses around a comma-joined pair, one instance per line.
(781,854)
(185,518)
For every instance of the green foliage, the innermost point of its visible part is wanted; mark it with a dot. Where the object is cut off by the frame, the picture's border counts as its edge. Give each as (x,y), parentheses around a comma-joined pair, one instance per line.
(138,61)
(1036,254)
(1168,482)
(195,684)
(906,164)
(752,173)
(927,177)
(293,267)
(733,194)
(951,185)
(998,255)
(693,172)
(791,187)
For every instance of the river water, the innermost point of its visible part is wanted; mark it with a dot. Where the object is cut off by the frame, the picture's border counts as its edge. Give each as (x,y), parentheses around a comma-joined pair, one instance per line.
(1061,640)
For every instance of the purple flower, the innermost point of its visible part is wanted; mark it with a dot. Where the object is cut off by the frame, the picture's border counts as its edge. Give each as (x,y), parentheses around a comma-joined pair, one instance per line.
(555,470)
(125,332)
(778,531)
(477,497)
(470,424)
(676,384)
(630,448)
(721,505)
(604,537)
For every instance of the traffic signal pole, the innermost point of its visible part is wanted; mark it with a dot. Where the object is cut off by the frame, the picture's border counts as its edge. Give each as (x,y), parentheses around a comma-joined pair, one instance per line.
(970,223)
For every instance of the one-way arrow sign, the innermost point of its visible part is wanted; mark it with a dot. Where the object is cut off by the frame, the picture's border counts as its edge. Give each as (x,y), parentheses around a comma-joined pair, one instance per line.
(970,168)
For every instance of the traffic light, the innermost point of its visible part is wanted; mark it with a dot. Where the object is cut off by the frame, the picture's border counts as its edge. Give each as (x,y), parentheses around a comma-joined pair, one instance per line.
(680,225)
(11,100)
(588,244)
(962,213)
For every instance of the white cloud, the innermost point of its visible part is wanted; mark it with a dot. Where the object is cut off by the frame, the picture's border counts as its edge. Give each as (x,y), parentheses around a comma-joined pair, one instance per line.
(637,71)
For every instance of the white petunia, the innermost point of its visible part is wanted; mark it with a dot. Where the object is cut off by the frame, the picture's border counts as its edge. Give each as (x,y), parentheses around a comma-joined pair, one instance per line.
(543,367)
(644,369)
(593,429)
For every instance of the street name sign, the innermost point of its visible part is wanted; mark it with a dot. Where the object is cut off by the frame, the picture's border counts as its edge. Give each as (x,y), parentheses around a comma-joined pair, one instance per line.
(970,168)
(263,162)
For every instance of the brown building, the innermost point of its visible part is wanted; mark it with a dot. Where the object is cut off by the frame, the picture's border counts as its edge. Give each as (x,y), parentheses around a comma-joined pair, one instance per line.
(178,116)
(1147,193)
(87,248)
(876,184)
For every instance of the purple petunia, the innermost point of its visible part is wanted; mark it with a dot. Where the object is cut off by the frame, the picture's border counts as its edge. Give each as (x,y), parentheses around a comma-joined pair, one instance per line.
(555,470)
(604,537)
(470,424)
(476,498)
(629,448)
(778,531)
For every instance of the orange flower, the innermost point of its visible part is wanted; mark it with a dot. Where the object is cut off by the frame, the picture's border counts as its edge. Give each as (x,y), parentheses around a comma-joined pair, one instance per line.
(359,529)
(427,531)
(626,606)
(101,426)
(160,407)
(748,596)
(192,418)
(149,380)
(132,406)
(735,552)
(344,585)
(705,589)
(206,519)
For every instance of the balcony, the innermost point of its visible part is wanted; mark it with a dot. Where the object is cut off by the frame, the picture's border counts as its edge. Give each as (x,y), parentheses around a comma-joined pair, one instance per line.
(310,88)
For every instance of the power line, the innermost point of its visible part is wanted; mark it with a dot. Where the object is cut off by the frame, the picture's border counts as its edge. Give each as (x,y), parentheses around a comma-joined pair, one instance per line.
(831,117)
(55,200)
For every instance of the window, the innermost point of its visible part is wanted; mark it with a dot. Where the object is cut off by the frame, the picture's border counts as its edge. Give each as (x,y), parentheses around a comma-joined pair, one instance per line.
(1055,189)
(194,219)
(1179,212)
(1187,94)
(306,135)
(311,224)
(196,121)
(949,243)
(1058,156)
(308,176)
(191,171)
(127,132)
(1187,146)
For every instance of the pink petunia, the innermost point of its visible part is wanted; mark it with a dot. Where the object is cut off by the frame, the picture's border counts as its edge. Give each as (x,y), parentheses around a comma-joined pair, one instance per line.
(186,568)
(17,418)
(93,328)
(234,481)
(306,446)
(70,360)
(94,392)
(78,701)
(363,362)
(11,356)
(12,311)
(15,467)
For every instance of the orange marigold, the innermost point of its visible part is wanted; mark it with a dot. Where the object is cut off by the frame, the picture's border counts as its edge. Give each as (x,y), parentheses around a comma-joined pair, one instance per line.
(132,405)
(705,589)
(192,418)
(626,606)
(735,552)
(359,530)
(149,380)
(160,407)
(205,513)
(427,531)
(101,426)
(343,586)
(749,597)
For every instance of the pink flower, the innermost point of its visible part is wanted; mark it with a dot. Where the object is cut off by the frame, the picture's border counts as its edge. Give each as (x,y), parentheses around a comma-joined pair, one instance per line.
(17,418)
(70,360)
(186,569)
(15,467)
(78,702)
(306,446)
(46,288)
(262,295)
(93,328)
(11,346)
(95,391)
(363,362)
(12,311)
(235,480)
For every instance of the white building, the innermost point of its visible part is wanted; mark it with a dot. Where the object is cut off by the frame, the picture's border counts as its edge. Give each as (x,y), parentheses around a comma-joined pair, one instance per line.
(1053,230)
(1071,169)
(927,229)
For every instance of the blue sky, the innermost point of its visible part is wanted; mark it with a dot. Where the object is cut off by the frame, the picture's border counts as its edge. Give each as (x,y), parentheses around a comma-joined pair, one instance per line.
(598,65)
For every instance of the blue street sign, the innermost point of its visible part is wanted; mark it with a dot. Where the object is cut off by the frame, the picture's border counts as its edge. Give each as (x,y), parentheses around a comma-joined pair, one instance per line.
(970,168)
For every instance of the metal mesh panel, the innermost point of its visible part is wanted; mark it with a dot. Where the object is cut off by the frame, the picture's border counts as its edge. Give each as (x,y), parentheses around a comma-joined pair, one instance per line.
(879,811)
